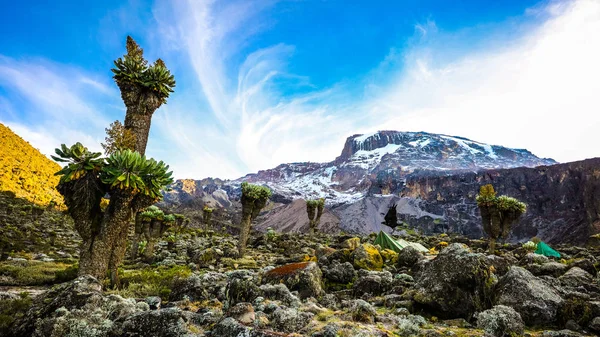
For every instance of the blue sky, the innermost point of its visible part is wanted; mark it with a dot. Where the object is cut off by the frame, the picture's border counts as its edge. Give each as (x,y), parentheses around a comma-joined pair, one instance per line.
(260,83)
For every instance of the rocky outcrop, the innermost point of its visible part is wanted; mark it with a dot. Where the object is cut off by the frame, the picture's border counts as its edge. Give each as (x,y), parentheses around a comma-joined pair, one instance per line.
(563,201)
(536,301)
(456,284)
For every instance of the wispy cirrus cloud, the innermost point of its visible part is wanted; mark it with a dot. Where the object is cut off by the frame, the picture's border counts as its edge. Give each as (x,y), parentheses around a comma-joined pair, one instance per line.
(57,103)
(528,82)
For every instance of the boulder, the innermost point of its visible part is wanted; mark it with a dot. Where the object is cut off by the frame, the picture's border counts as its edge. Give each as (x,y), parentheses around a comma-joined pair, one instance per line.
(242,312)
(595,325)
(229,327)
(304,277)
(536,301)
(199,287)
(456,284)
(362,311)
(279,292)
(408,257)
(576,277)
(586,265)
(290,320)
(351,244)
(366,256)
(241,287)
(82,291)
(501,321)
(169,322)
(374,283)
(340,273)
(553,269)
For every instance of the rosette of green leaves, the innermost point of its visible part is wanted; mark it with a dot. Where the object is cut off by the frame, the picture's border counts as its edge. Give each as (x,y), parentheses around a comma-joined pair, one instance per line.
(128,170)
(255,192)
(169,219)
(486,196)
(133,69)
(509,204)
(79,162)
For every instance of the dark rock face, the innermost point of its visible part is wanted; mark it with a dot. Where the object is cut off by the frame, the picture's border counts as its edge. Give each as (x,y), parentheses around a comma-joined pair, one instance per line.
(563,201)
(456,284)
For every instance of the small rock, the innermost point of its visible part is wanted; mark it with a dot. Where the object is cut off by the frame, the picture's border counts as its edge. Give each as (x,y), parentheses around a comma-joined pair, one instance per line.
(362,311)
(243,312)
(153,302)
(501,321)
(366,256)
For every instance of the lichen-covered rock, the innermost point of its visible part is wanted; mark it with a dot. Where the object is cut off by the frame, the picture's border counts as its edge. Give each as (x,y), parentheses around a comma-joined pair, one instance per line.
(410,325)
(77,294)
(372,282)
(199,287)
(500,264)
(243,312)
(553,269)
(241,287)
(408,257)
(304,277)
(501,321)
(586,265)
(576,277)
(351,244)
(366,256)
(561,333)
(595,325)
(169,322)
(530,258)
(229,327)
(290,319)
(340,273)
(362,311)
(533,299)
(457,283)
(329,330)
(389,256)
(279,292)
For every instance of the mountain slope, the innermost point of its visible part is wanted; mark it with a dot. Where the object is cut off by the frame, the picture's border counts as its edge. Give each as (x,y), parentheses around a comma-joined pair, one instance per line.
(25,171)
(378,163)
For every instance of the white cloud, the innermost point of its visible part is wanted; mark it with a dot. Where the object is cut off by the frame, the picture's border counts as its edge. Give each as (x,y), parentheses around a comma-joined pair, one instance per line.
(58,104)
(538,92)
(534,87)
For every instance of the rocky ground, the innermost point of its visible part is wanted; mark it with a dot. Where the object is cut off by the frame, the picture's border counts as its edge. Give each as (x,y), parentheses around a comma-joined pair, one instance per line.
(327,286)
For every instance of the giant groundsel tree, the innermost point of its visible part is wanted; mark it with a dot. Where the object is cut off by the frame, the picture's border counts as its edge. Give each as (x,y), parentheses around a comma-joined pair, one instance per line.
(498,213)
(314,210)
(254,199)
(132,181)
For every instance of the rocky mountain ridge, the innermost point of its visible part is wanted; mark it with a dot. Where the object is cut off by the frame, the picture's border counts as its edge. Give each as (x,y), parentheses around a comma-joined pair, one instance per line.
(432,178)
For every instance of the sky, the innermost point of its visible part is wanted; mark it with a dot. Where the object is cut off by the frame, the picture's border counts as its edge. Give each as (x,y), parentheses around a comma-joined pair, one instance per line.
(260,83)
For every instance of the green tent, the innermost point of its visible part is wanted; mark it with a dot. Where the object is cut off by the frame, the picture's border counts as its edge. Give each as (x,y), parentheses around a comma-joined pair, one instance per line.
(544,249)
(387,242)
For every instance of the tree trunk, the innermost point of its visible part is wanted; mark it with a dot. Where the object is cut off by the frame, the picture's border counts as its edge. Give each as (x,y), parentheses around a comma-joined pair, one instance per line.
(136,236)
(97,250)
(246,224)
(139,124)
(492,245)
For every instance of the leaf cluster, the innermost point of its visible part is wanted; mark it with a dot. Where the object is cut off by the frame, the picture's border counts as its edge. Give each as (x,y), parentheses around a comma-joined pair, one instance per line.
(133,69)
(79,162)
(255,192)
(487,198)
(122,170)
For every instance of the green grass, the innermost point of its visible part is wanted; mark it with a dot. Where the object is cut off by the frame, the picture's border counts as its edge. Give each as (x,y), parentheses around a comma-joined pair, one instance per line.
(152,281)
(35,273)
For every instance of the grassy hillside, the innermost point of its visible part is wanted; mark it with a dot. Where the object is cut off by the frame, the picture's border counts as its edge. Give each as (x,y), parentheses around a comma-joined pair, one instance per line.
(25,171)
